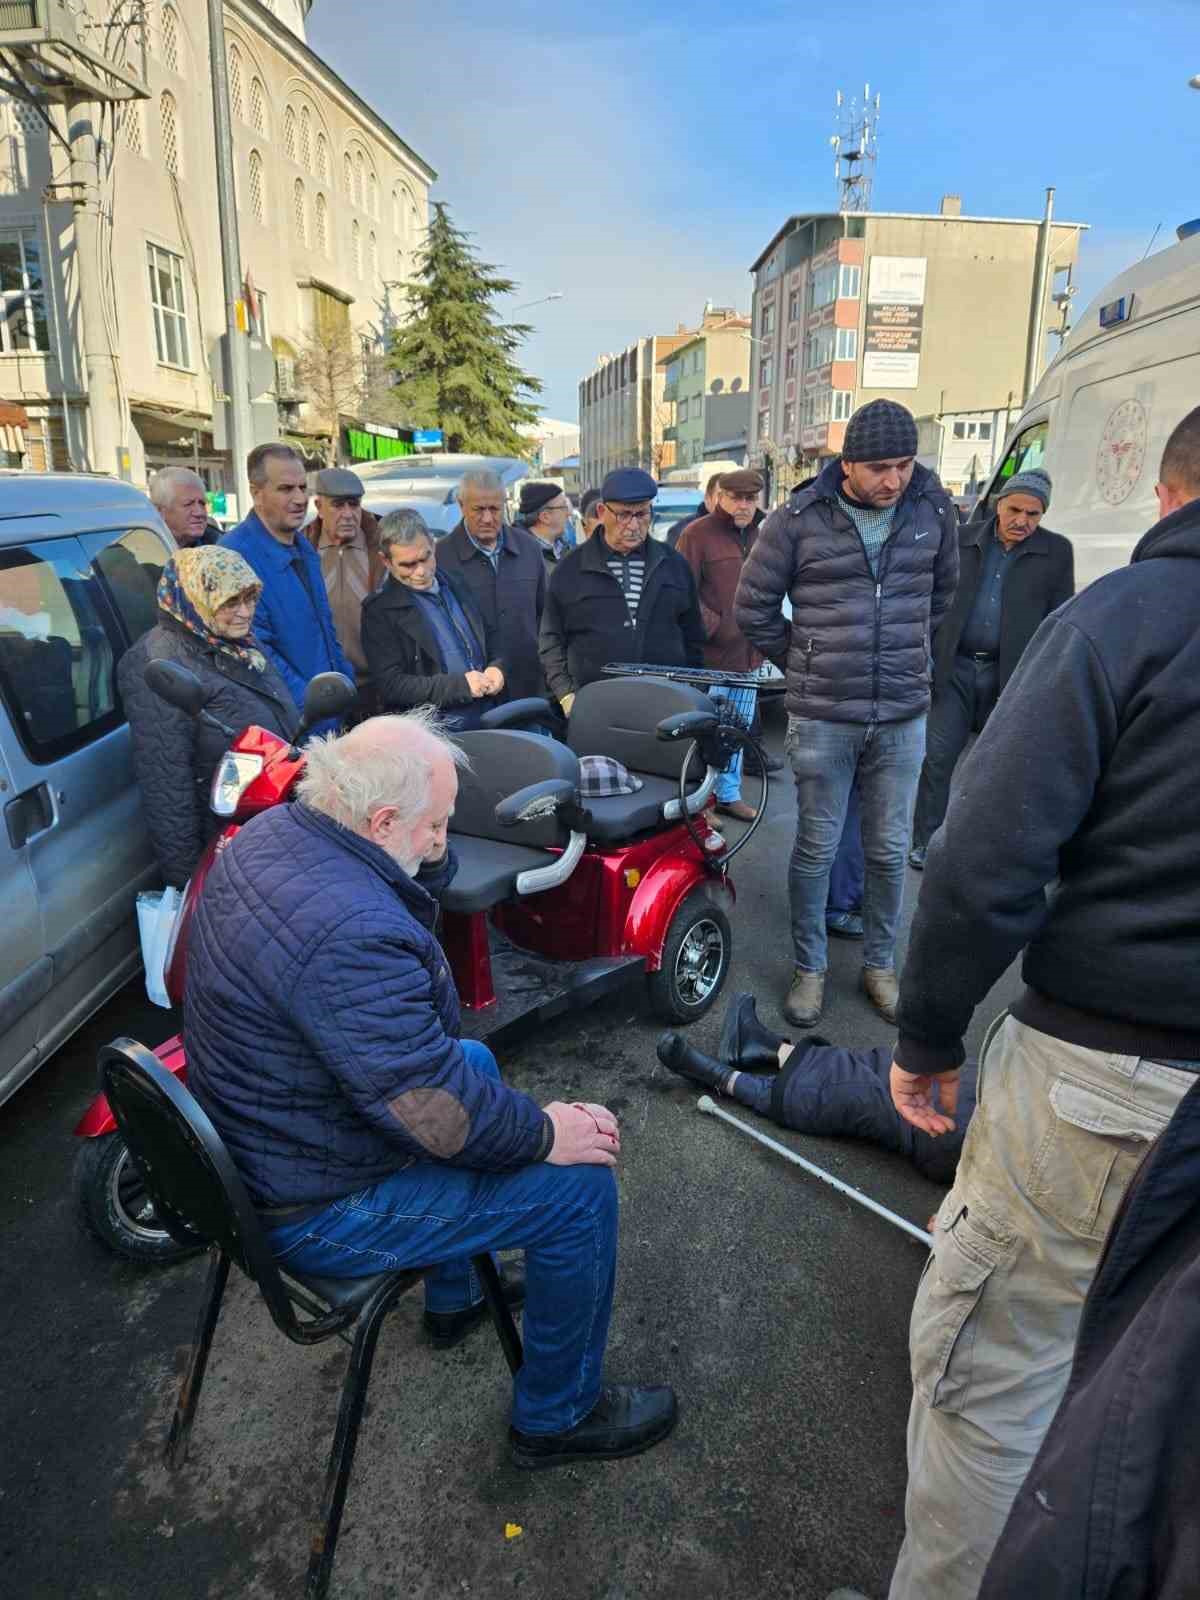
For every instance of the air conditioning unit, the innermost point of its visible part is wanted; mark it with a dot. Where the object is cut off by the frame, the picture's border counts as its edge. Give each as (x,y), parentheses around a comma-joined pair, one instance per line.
(69,45)
(285,379)
(37,22)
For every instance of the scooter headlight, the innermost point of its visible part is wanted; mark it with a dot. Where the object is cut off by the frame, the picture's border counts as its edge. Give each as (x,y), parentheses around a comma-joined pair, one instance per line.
(234,775)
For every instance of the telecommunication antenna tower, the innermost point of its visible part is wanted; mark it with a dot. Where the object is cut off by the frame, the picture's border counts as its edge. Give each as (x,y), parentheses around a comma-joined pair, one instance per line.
(855,144)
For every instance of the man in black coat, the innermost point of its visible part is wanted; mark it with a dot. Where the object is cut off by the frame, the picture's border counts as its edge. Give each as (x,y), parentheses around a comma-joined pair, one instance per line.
(423,636)
(1012,574)
(1072,839)
(620,597)
(503,569)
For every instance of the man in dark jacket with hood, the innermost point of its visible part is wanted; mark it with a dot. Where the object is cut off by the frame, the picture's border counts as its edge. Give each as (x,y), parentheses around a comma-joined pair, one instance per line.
(1082,784)
(620,597)
(1013,572)
(868,557)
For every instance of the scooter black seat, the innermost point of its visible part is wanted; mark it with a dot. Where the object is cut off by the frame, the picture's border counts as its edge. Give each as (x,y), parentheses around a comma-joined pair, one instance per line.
(617,817)
(488,870)
(343,1294)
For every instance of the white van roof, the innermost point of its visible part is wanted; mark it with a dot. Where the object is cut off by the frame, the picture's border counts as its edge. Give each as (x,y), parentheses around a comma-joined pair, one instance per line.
(1160,284)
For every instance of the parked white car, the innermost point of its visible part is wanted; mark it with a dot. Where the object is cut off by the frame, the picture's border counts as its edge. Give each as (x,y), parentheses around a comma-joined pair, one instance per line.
(429,484)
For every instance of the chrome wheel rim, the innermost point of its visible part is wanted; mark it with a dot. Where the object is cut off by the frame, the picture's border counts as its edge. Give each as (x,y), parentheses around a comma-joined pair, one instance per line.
(700,961)
(131,1203)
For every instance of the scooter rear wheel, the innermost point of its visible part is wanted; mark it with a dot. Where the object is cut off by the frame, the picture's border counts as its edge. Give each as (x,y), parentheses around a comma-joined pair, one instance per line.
(695,961)
(114,1205)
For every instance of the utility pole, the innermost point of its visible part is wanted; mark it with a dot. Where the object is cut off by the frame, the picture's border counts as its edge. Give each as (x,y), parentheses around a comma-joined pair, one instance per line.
(105,449)
(239,432)
(1037,316)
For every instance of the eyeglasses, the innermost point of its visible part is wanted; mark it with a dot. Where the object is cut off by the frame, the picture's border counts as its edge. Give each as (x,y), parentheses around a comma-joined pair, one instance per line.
(630,519)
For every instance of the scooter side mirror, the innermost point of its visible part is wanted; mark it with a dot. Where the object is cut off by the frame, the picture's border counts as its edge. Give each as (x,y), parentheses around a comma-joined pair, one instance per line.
(687,725)
(329,694)
(535,801)
(177,685)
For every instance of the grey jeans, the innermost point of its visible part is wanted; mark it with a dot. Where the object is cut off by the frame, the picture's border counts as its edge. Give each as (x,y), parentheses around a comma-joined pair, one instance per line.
(1057,1135)
(825,757)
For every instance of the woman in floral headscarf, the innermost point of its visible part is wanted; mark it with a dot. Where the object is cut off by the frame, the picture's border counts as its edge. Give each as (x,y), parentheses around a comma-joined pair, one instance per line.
(206,600)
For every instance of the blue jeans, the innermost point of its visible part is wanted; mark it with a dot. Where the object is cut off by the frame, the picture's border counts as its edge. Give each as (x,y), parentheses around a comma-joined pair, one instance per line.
(741,703)
(848,870)
(825,758)
(564,1218)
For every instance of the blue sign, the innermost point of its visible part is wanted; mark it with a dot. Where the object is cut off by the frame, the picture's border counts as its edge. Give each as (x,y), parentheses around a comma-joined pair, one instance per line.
(1116,311)
(427,438)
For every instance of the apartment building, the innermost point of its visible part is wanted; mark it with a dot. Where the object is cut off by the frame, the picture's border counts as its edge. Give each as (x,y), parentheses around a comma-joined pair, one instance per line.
(932,310)
(623,415)
(332,207)
(715,361)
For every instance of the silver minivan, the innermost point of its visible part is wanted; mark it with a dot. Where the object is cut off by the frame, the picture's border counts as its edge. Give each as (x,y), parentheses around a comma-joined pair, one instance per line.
(80,559)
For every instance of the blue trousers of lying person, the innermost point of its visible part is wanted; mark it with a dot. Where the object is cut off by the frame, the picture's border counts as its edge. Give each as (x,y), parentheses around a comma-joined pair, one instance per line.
(826,1090)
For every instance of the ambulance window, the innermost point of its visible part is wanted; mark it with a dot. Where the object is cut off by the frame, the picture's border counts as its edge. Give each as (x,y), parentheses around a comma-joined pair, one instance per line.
(1028,450)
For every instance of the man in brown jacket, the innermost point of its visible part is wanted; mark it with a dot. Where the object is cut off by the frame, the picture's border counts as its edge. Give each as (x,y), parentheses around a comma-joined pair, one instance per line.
(716,547)
(347,540)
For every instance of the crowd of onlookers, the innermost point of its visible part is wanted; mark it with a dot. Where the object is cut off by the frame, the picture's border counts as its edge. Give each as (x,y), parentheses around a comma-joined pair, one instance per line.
(1071,838)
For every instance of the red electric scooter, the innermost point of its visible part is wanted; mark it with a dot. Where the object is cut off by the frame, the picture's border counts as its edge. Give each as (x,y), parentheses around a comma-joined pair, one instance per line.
(560,896)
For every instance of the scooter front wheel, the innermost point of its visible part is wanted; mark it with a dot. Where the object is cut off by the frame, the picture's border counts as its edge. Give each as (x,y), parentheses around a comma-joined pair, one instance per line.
(114,1205)
(695,961)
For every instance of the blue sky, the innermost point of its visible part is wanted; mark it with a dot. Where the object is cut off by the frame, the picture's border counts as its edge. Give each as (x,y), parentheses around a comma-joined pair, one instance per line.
(638,159)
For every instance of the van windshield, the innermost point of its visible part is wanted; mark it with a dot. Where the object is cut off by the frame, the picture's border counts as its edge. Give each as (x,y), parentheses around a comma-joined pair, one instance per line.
(1028,450)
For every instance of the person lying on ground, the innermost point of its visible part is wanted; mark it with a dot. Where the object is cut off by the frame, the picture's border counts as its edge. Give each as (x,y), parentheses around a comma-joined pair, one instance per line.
(817,1087)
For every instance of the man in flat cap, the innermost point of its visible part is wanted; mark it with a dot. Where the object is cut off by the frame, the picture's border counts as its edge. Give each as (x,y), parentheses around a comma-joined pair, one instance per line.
(346,539)
(620,597)
(544,512)
(715,547)
(1013,573)
(868,557)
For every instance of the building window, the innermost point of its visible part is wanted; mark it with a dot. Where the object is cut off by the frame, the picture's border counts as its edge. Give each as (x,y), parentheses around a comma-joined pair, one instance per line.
(170,307)
(169,126)
(348,177)
(791,361)
(322,158)
(289,134)
(766,321)
(851,282)
(372,259)
(131,127)
(305,139)
(823,286)
(960,430)
(360,181)
(257,204)
(169,35)
(237,98)
(843,405)
(23,323)
(764,424)
(356,249)
(793,305)
(789,420)
(985,430)
(846,346)
(373,196)
(258,106)
(766,372)
(818,349)
(681,412)
(300,212)
(321,224)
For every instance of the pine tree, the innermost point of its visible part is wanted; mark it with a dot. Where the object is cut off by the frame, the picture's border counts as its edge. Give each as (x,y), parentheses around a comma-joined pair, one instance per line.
(453,357)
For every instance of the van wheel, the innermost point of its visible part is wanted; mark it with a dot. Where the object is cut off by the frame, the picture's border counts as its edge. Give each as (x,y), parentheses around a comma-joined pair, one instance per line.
(114,1205)
(695,961)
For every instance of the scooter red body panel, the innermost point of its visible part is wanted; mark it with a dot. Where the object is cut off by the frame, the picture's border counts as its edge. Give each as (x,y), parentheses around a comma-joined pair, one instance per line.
(98,1119)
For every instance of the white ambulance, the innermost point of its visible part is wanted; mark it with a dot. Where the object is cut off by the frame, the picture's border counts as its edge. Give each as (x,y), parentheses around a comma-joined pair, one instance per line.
(1127,372)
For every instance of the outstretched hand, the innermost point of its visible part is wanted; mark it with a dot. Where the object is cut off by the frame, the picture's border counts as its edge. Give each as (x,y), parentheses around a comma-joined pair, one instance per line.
(917,1098)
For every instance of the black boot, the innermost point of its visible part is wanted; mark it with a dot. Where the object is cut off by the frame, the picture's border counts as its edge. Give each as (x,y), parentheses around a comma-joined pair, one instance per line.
(676,1054)
(746,1043)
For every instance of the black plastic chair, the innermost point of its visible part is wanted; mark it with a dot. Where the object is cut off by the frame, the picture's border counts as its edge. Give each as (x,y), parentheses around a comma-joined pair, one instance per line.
(200,1199)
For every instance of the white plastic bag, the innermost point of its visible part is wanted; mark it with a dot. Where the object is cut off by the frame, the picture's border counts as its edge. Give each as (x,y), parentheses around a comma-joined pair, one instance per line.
(157,910)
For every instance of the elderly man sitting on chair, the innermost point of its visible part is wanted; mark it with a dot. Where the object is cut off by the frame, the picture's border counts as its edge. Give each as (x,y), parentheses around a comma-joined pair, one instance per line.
(323,1039)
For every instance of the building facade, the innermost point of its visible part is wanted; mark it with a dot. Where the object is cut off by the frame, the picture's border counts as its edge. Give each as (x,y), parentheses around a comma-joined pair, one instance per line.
(713,362)
(332,206)
(932,310)
(963,447)
(623,416)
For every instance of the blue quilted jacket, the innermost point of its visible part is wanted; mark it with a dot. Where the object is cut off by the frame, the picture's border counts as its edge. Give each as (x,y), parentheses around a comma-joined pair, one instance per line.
(321,1021)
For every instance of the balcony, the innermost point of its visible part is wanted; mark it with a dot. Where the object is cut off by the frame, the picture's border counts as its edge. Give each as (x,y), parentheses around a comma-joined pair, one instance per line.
(671,392)
(670,432)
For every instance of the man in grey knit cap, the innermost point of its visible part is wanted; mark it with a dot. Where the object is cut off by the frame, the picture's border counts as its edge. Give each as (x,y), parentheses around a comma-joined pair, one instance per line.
(1013,572)
(867,554)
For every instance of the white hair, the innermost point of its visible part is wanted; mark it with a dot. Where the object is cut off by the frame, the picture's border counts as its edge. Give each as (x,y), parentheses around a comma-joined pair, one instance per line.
(486,481)
(349,778)
(167,479)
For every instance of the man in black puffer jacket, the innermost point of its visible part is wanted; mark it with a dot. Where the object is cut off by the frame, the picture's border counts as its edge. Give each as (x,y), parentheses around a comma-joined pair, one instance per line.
(868,557)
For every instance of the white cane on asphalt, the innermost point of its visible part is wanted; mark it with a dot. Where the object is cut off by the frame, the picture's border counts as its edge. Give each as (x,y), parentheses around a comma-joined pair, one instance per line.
(711,1109)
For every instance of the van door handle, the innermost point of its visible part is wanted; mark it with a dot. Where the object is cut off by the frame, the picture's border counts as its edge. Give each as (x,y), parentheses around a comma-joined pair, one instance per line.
(29,814)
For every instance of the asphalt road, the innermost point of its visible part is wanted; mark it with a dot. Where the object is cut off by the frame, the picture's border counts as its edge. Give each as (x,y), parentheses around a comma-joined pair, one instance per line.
(777,1309)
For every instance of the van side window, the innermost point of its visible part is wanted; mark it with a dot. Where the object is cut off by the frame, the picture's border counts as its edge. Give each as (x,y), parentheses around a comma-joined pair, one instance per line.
(1028,450)
(56,659)
(131,567)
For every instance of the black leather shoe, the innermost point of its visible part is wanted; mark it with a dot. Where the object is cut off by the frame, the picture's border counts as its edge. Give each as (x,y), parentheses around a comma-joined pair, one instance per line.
(916,857)
(746,1042)
(624,1421)
(448,1328)
(678,1056)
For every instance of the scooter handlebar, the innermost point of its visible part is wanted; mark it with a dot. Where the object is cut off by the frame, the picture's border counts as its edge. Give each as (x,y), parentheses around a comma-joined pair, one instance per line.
(518,714)
(687,725)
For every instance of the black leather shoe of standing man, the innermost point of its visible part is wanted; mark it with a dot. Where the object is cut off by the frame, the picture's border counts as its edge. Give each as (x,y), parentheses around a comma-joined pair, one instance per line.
(624,1421)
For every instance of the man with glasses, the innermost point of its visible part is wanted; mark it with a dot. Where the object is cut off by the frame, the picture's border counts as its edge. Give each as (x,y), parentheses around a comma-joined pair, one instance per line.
(620,597)
(426,643)
(545,513)
(501,567)
(346,539)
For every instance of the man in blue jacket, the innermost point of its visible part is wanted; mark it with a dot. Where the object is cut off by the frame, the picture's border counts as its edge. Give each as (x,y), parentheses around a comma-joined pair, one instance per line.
(323,1041)
(293,623)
